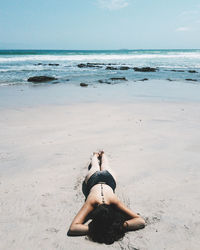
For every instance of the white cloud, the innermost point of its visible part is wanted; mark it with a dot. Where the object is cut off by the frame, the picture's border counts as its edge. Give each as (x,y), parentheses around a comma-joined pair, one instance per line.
(183,29)
(113,4)
(189,20)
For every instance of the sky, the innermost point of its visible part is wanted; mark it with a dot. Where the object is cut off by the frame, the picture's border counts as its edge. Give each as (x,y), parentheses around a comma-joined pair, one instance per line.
(99,24)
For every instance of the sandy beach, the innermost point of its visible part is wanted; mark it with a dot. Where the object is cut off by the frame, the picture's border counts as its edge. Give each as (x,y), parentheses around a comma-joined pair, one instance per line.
(78,77)
(152,146)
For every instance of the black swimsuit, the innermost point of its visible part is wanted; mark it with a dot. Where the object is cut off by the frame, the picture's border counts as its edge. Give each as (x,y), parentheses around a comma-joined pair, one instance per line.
(102,177)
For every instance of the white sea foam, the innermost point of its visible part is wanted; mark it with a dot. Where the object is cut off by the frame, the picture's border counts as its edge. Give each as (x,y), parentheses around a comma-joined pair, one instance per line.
(7,84)
(21,69)
(98,57)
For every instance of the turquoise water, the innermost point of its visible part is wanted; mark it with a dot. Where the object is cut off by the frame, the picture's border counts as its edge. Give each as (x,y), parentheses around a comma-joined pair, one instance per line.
(89,52)
(16,66)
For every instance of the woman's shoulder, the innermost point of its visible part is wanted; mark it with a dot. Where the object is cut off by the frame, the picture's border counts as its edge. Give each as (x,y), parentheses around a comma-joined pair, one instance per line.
(114,199)
(92,200)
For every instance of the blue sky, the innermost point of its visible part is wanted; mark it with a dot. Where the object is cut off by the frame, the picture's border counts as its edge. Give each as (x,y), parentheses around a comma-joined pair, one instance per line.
(99,24)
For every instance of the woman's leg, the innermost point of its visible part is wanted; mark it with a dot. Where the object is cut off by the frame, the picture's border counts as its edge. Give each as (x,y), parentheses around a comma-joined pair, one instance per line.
(94,166)
(105,165)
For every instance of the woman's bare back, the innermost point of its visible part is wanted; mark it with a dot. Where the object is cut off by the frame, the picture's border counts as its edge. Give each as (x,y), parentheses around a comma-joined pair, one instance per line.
(101,193)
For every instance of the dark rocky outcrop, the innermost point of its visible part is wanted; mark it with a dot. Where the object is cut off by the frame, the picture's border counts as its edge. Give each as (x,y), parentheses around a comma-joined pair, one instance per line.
(192,71)
(188,79)
(145,69)
(82,65)
(118,79)
(111,68)
(38,79)
(53,64)
(168,79)
(44,64)
(124,68)
(90,65)
(82,84)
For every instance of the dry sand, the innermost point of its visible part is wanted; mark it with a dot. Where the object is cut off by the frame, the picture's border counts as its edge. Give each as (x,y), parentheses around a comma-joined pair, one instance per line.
(153,147)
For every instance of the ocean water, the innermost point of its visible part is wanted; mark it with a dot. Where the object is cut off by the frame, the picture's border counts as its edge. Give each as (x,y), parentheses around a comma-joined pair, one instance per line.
(16,66)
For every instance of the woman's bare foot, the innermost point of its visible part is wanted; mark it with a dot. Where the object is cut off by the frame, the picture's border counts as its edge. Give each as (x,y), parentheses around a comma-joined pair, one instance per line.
(95,154)
(101,152)
(104,161)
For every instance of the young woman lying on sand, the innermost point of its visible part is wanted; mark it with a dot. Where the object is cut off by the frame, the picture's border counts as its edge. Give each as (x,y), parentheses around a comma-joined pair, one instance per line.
(110,218)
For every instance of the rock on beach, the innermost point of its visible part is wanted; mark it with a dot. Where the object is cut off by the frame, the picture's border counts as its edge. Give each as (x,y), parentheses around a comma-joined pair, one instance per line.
(111,68)
(90,65)
(193,80)
(82,84)
(38,79)
(124,68)
(118,79)
(145,69)
(192,71)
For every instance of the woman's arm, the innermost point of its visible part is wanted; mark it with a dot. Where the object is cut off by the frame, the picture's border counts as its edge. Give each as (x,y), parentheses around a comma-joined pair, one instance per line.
(135,222)
(77,228)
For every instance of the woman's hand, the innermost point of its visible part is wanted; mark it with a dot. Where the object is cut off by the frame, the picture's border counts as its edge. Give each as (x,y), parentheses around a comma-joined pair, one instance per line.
(135,222)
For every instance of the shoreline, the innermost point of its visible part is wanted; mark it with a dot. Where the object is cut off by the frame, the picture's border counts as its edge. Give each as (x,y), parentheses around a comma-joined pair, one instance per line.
(34,95)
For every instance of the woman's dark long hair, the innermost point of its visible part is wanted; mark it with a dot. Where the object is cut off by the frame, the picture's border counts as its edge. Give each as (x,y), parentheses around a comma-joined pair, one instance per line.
(107,224)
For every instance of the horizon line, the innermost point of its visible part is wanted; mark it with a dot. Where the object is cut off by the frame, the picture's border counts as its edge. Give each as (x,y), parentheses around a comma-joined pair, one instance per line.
(95,49)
